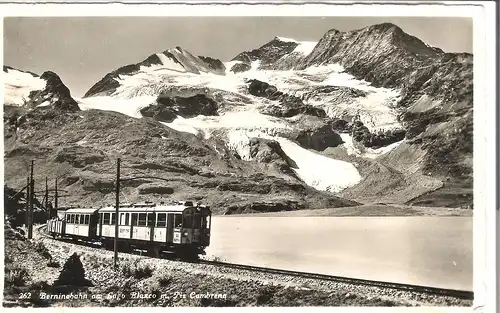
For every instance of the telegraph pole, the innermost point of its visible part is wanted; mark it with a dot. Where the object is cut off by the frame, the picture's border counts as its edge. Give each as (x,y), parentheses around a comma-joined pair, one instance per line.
(27,204)
(47,197)
(117,210)
(55,199)
(30,214)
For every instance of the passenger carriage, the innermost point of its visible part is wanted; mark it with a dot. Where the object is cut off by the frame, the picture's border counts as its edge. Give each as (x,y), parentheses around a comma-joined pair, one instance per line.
(73,222)
(81,222)
(182,228)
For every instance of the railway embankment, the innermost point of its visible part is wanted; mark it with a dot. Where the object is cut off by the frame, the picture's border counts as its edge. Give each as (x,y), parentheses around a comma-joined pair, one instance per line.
(34,270)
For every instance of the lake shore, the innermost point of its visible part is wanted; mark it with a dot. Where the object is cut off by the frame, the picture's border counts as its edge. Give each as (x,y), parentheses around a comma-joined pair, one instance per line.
(371,210)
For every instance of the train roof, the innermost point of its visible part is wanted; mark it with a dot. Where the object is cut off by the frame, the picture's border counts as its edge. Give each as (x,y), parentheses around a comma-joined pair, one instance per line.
(151,207)
(82,210)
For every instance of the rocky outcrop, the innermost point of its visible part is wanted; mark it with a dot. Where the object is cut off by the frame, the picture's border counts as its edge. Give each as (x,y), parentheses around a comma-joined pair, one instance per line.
(312,132)
(213,64)
(155,189)
(167,109)
(319,139)
(335,94)
(56,93)
(362,134)
(30,92)
(72,275)
(259,207)
(288,105)
(267,54)
(240,67)
(78,156)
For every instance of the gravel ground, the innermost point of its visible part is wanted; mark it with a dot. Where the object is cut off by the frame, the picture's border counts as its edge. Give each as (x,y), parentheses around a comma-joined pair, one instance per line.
(143,281)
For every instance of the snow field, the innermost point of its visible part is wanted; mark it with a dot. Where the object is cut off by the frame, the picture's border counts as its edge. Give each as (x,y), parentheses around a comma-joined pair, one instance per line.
(242,123)
(18,85)
(128,107)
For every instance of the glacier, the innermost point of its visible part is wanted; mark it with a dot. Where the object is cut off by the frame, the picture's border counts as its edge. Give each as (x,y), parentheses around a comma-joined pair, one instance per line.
(240,123)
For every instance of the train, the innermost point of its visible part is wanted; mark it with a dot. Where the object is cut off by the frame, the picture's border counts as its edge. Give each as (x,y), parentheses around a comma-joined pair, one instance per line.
(181,228)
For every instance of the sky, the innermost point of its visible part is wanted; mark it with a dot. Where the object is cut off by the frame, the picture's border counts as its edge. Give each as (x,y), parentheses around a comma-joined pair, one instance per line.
(82,50)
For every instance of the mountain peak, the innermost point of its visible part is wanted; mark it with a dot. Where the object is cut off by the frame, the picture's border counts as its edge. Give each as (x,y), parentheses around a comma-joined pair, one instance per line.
(400,38)
(175,60)
(285,39)
(268,53)
(385,27)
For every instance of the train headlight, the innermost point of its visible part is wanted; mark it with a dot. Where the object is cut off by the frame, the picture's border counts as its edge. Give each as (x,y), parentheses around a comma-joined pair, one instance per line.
(185,234)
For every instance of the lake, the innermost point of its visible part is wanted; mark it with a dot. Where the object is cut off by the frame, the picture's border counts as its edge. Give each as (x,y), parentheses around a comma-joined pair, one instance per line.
(433,251)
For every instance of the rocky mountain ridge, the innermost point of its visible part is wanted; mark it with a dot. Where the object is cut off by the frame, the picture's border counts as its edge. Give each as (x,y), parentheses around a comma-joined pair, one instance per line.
(436,90)
(371,115)
(176,59)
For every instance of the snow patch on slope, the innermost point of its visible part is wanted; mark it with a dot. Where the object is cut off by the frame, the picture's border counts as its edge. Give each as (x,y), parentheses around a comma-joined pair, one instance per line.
(284,39)
(248,121)
(128,107)
(318,171)
(239,142)
(169,63)
(322,173)
(355,148)
(18,86)
(305,47)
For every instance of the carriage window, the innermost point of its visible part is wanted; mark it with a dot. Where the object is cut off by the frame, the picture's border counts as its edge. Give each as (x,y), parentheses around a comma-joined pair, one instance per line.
(105,219)
(142,219)
(72,218)
(133,219)
(113,218)
(127,218)
(162,220)
(87,219)
(207,222)
(151,219)
(178,220)
(122,218)
(187,221)
(68,217)
(77,219)
(197,221)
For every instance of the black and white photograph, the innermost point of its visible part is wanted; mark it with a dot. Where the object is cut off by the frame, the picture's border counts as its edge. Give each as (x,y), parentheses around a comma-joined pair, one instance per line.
(235,160)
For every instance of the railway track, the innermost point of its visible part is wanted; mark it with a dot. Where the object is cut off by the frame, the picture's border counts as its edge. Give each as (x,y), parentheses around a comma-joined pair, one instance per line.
(454,293)
(461,294)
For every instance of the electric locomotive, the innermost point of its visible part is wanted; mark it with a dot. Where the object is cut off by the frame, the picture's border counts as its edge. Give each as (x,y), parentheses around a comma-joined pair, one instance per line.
(182,228)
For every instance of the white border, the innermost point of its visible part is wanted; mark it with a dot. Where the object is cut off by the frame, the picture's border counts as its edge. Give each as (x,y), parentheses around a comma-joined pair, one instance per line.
(484,98)
(341,9)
